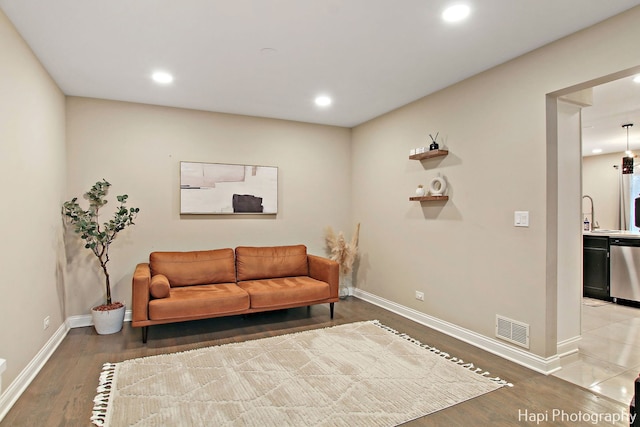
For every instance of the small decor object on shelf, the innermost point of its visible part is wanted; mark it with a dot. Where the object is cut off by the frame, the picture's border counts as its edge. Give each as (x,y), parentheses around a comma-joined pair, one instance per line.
(434,145)
(420,191)
(437,186)
(419,150)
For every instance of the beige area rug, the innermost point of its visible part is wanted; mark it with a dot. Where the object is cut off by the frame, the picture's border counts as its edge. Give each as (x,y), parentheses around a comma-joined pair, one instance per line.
(358,374)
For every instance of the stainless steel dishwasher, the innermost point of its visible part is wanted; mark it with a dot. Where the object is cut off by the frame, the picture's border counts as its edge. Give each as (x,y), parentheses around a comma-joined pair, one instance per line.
(625,268)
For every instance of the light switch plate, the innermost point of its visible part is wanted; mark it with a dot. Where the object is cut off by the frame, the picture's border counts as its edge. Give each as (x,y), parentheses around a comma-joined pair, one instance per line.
(521,218)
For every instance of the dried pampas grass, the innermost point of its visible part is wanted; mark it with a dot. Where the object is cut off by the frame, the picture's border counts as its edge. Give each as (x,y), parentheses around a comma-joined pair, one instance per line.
(341,251)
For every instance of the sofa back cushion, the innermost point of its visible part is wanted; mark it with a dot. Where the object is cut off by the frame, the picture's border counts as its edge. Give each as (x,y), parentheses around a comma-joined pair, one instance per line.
(254,263)
(195,267)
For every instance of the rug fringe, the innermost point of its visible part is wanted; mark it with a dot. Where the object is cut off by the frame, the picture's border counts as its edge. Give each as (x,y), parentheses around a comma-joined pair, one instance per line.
(101,401)
(469,366)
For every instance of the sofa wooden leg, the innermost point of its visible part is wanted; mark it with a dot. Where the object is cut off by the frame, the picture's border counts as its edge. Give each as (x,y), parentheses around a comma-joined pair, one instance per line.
(331,304)
(145,332)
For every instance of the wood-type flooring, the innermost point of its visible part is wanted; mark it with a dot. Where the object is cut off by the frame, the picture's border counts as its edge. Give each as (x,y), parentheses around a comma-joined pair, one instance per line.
(62,393)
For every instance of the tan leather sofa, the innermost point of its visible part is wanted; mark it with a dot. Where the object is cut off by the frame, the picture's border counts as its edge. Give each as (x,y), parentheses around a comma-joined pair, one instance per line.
(181,286)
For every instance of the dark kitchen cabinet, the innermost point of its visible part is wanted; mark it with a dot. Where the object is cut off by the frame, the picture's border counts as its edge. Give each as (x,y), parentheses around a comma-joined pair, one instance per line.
(595,267)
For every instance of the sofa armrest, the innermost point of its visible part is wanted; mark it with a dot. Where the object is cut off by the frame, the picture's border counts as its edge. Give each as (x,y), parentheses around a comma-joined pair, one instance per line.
(325,270)
(140,293)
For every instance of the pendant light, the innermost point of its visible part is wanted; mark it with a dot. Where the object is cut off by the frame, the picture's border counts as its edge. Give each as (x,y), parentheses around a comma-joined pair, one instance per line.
(627,160)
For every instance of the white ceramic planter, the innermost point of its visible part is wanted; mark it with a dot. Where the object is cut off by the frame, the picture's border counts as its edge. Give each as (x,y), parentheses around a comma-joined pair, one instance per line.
(108,322)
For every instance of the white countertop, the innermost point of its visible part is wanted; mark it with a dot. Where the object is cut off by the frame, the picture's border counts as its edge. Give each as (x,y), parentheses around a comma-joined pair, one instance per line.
(612,233)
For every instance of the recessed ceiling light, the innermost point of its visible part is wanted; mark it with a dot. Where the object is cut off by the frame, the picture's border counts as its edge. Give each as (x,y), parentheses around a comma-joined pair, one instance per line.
(162,77)
(637,78)
(323,101)
(456,13)
(596,150)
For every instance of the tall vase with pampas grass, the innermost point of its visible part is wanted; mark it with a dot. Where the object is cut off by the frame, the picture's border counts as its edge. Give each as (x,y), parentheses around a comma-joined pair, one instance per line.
(345,254)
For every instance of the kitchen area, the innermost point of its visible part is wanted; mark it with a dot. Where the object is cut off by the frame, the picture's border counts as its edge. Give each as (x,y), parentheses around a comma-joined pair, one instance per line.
(611,266)
(609,346)
(611,257)
(611,192)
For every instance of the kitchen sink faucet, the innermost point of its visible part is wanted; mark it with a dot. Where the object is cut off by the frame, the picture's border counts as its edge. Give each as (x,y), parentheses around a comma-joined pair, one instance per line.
(594,223)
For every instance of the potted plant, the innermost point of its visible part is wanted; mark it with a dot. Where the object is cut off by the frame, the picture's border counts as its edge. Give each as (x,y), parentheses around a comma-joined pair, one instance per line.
(107,317)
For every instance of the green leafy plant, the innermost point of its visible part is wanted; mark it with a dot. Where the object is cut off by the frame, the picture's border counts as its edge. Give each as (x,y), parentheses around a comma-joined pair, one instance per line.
(98,237)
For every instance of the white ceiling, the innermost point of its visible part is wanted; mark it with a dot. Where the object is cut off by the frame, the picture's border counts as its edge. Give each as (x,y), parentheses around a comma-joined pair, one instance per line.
(614,104)
(270,58)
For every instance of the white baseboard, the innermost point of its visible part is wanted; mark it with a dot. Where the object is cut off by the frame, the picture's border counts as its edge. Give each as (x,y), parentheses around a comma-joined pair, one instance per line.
(543,365)
(568,350)
(85,320)
(20,384)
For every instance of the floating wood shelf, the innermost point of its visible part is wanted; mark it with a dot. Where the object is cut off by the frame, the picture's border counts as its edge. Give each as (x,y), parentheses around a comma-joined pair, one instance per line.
(429,154)
(429,198)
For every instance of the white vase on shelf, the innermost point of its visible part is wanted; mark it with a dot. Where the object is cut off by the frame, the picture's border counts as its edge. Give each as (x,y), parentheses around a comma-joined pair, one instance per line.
(437,186)
(420,191)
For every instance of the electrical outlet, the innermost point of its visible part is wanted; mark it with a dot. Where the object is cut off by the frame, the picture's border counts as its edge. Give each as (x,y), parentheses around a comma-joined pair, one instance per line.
(420,296)
(47,321)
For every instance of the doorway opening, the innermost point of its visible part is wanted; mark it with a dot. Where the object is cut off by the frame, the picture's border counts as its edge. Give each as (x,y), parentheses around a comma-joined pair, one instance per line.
(578,320)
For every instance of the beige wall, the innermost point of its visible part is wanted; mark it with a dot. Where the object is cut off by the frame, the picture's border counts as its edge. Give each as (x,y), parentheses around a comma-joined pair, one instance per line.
(138,149)
(601,181)
(466,255)
(32,171)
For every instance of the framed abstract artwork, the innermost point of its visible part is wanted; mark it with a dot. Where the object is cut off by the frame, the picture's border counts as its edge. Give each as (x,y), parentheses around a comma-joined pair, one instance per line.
(219,188)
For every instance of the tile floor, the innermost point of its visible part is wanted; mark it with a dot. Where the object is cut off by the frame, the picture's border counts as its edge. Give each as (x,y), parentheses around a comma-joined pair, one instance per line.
(609,357)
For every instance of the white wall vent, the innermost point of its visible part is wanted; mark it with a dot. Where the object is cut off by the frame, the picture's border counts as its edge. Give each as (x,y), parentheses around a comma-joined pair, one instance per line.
(512,331)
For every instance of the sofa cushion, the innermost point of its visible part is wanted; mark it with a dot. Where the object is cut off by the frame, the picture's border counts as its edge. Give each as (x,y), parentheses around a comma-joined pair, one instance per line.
(284,291)
(203,300)
(195,267)
(159,286)
(271,262)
